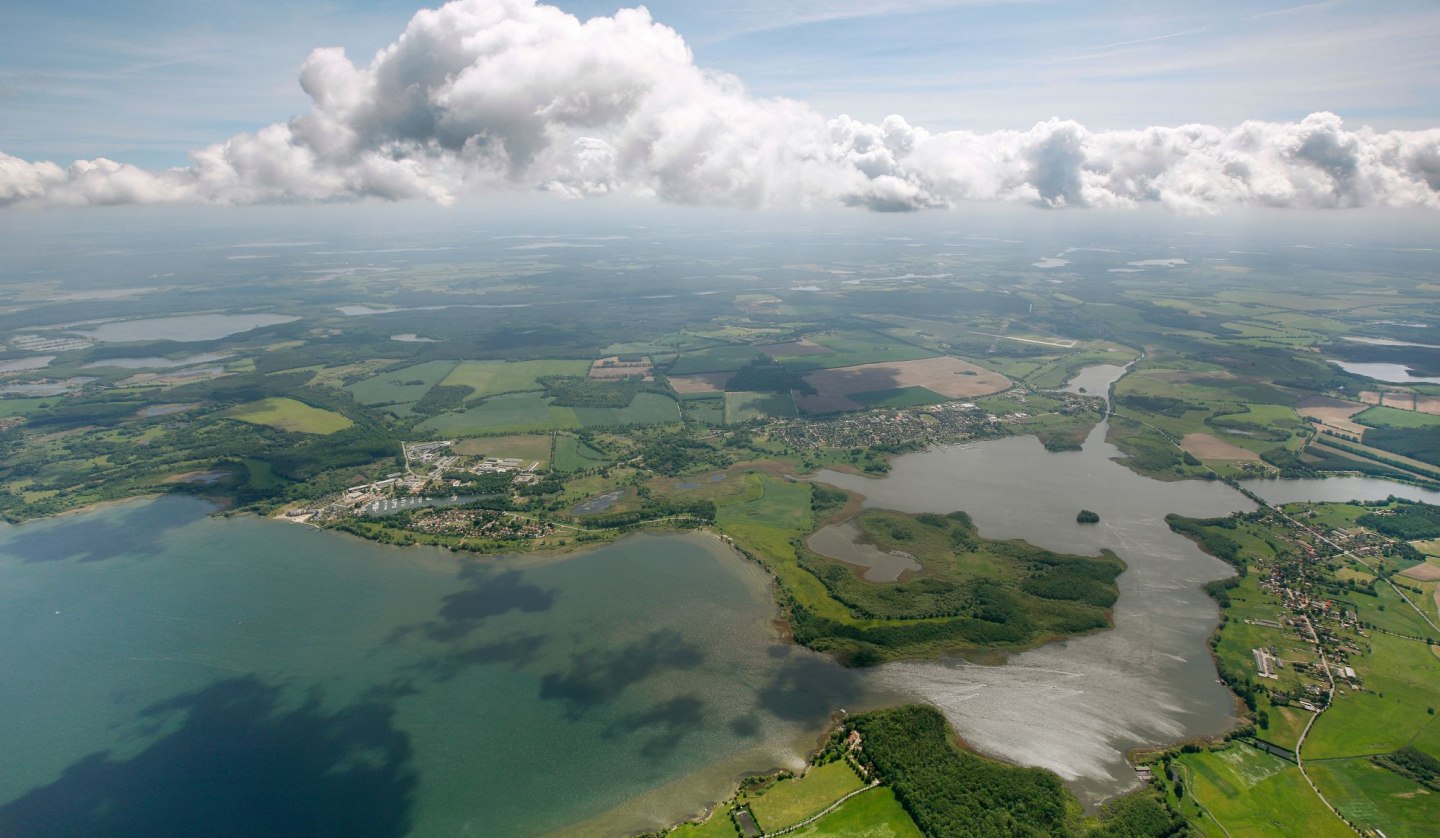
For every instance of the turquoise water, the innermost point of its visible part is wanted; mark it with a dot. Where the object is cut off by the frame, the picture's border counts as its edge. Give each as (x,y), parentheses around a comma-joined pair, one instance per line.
(168,673)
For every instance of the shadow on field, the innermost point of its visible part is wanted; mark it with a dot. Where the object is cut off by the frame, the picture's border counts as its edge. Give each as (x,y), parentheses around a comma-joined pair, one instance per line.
(236,761)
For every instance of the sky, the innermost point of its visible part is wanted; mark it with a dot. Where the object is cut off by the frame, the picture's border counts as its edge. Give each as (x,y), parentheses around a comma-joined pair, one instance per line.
(795,95)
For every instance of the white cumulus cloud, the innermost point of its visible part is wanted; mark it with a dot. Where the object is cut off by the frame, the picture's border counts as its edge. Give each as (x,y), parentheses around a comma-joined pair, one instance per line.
(484,95)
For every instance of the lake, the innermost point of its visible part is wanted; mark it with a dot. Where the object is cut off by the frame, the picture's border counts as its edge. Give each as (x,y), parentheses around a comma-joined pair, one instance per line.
(184,328)
(1338,490)
(173,673)
(158,363)
(34,362)
(1392,373)
(1075,707)
(1095,381)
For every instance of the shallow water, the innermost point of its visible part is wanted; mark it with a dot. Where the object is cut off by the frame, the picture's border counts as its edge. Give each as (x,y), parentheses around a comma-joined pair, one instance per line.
(838,541)
(170,673)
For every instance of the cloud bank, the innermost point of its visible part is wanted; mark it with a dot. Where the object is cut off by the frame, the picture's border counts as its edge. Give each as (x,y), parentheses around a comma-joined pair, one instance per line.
(485,95)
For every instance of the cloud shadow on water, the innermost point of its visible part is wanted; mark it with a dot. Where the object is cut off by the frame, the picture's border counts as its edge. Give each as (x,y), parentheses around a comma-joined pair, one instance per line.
(518,650)
(664,725)
(808,687)
(598,675)
(237,761)
(486,596)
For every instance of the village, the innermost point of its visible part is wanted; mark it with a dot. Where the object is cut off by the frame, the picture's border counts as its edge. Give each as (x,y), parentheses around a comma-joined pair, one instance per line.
(434,476)
(933,424)
(1316,569)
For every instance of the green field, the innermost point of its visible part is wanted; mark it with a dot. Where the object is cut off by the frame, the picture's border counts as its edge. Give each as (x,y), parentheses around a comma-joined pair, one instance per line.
(532,412)
(513,413)
(1356,786)
(1251,792)
(779,504)
(400,387)
(288,415)
(573,455)
(874,814)
(492,378)
(789,802)
(717,825)
(20,407)
(708,411)
(715,359)
(742,407)
(644,409)
(1393,417)
(1402,679)
(848,348)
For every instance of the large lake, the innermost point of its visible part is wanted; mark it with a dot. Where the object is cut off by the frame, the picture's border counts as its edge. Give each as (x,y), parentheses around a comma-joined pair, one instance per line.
(184,328)
(172,673)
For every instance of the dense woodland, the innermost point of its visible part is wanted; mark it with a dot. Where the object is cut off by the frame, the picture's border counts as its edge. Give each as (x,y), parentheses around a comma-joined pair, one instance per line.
(949,791)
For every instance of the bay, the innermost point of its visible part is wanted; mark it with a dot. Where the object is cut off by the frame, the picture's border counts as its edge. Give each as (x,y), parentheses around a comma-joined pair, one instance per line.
(173,673)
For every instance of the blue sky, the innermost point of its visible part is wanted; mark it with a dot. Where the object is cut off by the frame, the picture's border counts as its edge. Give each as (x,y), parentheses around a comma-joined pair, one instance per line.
(146,82)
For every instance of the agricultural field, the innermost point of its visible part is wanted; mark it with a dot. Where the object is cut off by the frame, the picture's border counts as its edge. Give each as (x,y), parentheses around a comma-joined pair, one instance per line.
(700,383)
(533,412)
(1400,679)
(511,413)
(20,407)
(873,814)
(572,454)
(899,397)
(527,447)
(493,378)
(945,376)
(1335,414)
(402,387)
(1245,791)
(852,348)
(644,409)
(1392,708)
(704,411)
(1375,798)
(715,359)
(1393,417)
(289,415)
(742,407)
(791,801)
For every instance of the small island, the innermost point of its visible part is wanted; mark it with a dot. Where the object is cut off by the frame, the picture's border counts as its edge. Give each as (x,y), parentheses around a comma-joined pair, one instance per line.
(1087,517)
